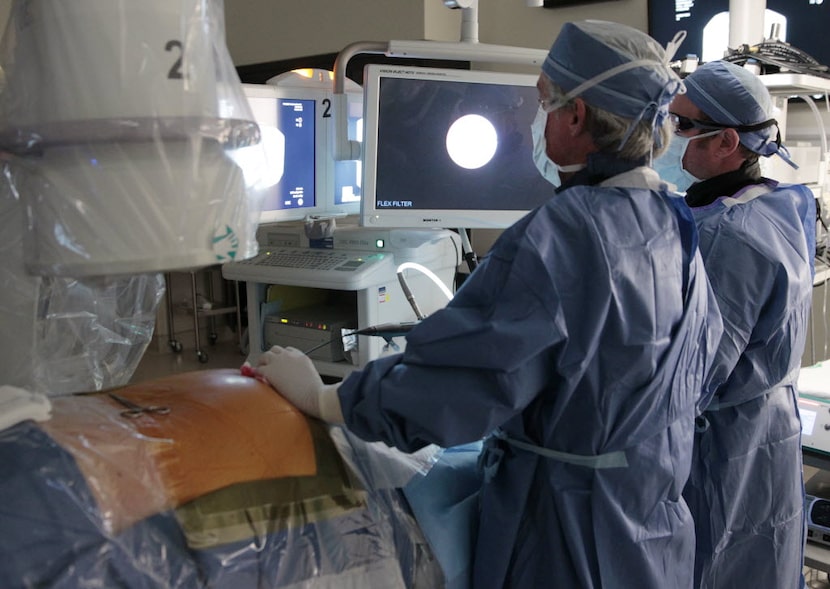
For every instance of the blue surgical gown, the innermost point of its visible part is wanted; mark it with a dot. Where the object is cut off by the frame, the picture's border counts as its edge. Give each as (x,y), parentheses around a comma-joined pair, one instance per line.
(746,488)
(586,330)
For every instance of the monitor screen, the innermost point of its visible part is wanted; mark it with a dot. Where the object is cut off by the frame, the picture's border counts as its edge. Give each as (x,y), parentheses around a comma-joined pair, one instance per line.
(448,148)
(803,24)
(296,121)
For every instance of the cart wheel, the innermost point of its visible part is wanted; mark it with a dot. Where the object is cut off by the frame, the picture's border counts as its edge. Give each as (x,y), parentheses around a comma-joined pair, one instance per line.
(203,358)
(175,345)
(212,337)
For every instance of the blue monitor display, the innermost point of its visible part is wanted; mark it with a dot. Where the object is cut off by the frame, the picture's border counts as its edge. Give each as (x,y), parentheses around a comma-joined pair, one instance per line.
(805,27)
(449,148)
(295,119)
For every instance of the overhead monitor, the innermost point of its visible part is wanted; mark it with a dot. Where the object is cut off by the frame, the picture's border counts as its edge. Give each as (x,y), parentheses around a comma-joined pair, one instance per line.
(801,23)
(448,148)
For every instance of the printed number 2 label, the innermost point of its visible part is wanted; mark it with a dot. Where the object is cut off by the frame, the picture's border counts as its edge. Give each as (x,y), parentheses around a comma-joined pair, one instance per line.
(175,72)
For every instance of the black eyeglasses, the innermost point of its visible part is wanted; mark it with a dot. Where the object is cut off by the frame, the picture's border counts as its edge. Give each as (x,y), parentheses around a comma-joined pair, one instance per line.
(682,123)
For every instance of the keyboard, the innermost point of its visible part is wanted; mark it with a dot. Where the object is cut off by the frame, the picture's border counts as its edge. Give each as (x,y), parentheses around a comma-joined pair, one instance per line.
(314,268)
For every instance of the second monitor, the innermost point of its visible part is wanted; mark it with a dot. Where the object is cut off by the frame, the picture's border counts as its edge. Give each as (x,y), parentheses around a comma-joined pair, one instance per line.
(295,118)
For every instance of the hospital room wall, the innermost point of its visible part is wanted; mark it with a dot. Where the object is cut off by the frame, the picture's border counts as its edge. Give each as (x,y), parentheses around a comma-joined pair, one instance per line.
(5,8)
(260,31)
(268,30)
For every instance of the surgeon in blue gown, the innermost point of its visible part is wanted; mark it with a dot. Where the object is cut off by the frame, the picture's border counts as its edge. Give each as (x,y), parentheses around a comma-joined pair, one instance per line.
(757,239)
(577,348)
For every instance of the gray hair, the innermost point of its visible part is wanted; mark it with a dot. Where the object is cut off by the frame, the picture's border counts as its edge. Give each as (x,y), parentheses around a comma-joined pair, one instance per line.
(608,130)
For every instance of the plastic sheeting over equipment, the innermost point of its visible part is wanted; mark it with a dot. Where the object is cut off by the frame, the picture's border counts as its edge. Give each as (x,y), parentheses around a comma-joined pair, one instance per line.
(127,148)
(229,486)
(130,128)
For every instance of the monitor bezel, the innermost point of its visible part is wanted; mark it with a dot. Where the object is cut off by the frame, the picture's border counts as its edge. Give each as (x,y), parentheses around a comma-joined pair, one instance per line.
(325,204)
(321,175)
(370,215)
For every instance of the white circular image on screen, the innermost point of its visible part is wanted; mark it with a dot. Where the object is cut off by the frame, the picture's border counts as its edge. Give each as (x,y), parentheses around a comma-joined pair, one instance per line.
(472,141)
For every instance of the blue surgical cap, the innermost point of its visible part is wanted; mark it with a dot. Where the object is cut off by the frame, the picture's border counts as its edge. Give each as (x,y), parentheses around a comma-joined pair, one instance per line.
(642,83)
(732,95)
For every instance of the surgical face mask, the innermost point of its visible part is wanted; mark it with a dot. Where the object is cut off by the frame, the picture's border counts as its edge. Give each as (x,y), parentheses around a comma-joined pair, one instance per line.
(670,165)
(549,169)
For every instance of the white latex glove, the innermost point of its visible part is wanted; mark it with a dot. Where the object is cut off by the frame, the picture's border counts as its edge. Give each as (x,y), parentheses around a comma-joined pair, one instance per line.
(293,375)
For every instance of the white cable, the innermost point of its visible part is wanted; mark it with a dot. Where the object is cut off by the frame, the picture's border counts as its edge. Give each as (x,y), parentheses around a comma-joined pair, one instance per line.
(823,136)
(824,171)
(466,246)
(428,273)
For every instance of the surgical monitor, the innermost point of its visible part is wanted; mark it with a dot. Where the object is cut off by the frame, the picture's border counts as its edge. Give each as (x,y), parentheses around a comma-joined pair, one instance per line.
(288,122)
(448,148)
(296,122)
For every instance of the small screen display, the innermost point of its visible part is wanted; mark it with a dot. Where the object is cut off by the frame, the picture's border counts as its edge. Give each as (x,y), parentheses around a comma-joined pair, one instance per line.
(296,188)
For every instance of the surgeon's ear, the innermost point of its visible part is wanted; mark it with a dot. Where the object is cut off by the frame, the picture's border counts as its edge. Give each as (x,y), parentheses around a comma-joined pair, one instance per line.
(729,142)
(575,117)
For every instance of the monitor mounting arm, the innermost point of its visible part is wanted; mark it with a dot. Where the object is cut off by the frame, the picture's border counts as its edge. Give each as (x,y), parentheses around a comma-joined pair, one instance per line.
(468,49)
(469,18)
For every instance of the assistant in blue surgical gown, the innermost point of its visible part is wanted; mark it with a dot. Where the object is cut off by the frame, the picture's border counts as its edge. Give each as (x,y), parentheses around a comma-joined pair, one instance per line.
(746,487)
